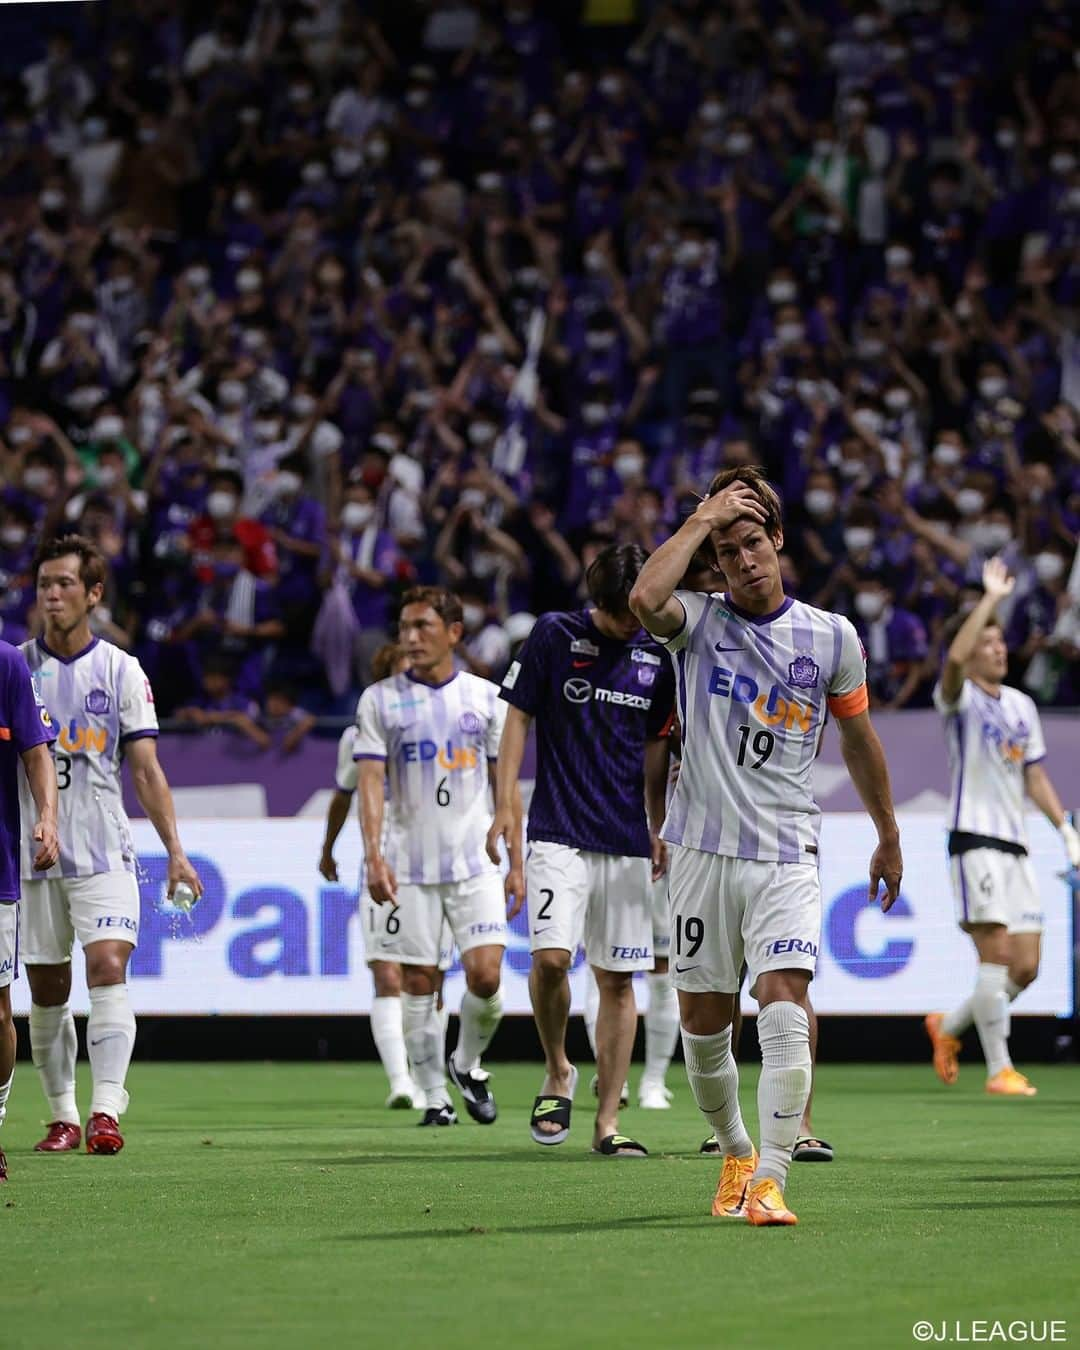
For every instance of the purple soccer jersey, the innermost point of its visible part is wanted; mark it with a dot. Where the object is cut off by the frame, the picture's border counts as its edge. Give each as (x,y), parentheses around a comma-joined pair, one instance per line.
(24,723)
(596,702)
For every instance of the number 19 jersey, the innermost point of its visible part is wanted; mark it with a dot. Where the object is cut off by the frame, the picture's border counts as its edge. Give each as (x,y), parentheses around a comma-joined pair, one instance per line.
(436,742)
(754,692)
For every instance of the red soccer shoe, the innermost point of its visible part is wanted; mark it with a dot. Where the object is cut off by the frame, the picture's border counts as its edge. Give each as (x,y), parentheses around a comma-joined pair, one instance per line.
(62,1137)
(103,1134)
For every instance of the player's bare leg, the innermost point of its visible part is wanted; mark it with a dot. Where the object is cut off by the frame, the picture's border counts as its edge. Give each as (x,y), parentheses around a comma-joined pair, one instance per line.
(388,1033)
(616,1025)
(7,1063)
(54,1046)
(110,1041)
(481,1013)
(549,990)
(425,1040)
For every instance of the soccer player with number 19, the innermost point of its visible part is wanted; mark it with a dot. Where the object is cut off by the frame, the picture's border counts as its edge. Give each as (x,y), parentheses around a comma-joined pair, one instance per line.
(757,673)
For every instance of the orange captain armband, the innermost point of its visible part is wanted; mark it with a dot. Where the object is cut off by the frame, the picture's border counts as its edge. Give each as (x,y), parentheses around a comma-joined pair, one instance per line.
(849,705)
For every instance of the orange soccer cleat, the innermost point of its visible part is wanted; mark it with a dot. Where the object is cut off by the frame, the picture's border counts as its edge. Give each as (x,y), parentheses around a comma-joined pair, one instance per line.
(1009,1083)
(946,1049)
(731,1188)
(765,1205)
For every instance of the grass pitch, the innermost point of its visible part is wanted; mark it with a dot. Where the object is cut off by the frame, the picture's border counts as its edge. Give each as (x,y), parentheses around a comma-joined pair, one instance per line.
(281,1205)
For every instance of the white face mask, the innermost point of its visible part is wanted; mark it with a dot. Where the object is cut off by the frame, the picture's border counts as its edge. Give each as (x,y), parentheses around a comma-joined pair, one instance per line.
(970,501)
(382,440)
(867,419)
(286,483)
(947,454)
(600,339)
(897,257)
(37,478)
(221,504)
(266,428)
(594,260)
(781,292)
(992,537)
(629,466)
(107,429)
(489,182)
(869,349)
(541,123)
(689,252)
(711,112)
(1049,566)
(992,386)
(12,536)
(428,169)
(789,333)
(474,499)
(481,433)
(594,414)
(250,117)
(198,277)
(108,475)
(242,201)
(357,515)
(472,616)
(20,435)
(89,396)
(1005,137)
(869,604)
(488,344)
(314,171)
(52,199)
(94,128)
(739,143)
(303,405)
(231,393)
(248,281)
(898,400)
(857,538)
(820,501)
(1062,162)
(416,98)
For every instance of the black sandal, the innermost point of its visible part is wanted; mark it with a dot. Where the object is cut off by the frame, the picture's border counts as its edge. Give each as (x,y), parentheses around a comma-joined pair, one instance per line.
(808,1148)
(620,1146)
(548,1107)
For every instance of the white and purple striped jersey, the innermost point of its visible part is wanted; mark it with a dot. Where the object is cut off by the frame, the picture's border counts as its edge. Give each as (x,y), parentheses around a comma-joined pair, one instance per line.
(990,741)
(99,700)
(753,695)
(436,742)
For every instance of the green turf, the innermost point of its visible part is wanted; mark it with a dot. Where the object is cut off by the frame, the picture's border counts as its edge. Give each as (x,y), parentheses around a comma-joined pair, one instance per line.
(272,1205)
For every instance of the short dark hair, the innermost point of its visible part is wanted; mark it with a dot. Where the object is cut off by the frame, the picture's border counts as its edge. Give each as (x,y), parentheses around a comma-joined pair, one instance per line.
(952,626)
(612,574)
(93,569)
(445,603)
(385,659)
(753,477)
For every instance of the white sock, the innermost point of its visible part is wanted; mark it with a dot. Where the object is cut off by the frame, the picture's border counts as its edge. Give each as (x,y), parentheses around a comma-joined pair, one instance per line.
(479,1018)
(592,1009)
(991,1004)
(784,1035)
(955,1023)
(110,1040)
(388,1033)
(53,1047)
(425,1040)
(661,1027)
(1012,989)
(5,1092)
(714,1081)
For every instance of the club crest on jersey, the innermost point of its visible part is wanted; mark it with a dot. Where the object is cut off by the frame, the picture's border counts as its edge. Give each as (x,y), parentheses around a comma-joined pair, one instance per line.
(470,724)
(646,675)
(803,672)
(647,658)
(583,647)
(98,702)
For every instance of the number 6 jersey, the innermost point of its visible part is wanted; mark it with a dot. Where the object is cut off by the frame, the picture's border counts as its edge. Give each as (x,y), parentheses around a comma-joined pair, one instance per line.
(753,694)
(436,742)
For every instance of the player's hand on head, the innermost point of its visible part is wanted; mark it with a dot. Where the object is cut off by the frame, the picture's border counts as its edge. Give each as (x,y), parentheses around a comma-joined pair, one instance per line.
(996,580)
(48,850)
(734,502)
(886,866)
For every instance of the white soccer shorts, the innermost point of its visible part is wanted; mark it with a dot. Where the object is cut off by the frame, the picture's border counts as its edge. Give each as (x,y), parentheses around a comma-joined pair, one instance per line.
(104,907)
(727,910)
(990,886)
(600,900)
(661,919)
(374,919)
(412,932)
(9,943)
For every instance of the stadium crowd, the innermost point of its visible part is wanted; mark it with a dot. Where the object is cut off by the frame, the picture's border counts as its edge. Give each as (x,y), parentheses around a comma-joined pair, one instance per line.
(301,303)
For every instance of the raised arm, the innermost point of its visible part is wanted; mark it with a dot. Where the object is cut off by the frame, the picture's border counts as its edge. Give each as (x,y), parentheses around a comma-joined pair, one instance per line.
(653,597)
(152,790)
(865,760)
(996,585)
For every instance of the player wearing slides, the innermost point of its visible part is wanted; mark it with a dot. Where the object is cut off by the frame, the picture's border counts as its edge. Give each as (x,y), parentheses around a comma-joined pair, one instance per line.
(433,732)
(25,732)
(996,746)
(602,694)
(756,673)
(101,702)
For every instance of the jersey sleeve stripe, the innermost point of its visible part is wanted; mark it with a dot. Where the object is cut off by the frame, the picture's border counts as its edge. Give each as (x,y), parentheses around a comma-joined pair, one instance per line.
(1029,763)
(139,735)
(849,705)
(659,637)
(380,758)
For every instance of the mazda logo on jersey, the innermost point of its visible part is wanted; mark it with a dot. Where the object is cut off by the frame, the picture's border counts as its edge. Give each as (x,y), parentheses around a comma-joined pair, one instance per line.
(578,691)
